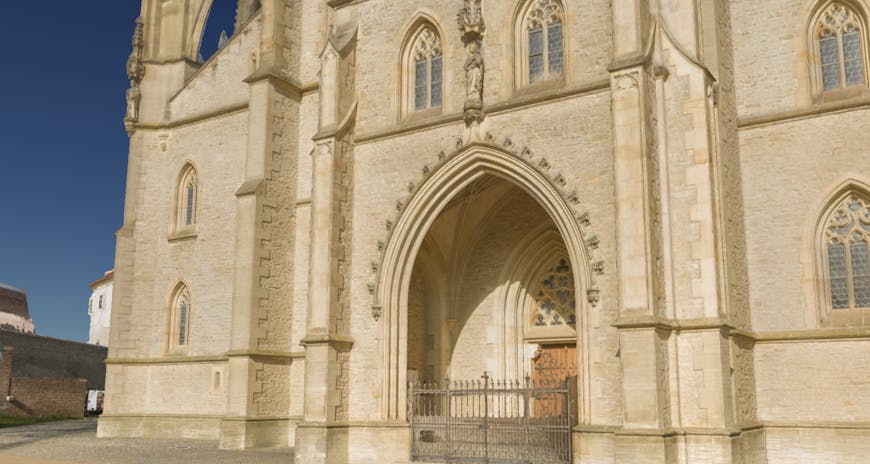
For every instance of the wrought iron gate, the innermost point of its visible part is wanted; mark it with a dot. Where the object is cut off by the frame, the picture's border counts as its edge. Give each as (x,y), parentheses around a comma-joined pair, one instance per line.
(492,422)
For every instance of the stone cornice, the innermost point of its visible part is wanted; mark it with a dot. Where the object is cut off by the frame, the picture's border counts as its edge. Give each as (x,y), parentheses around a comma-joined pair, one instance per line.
(266,356)
(339,342)
(854,104)
(521,101)
(826,334)
(336,4)
(681,325)
(276,77)
(220,112)
(168,360)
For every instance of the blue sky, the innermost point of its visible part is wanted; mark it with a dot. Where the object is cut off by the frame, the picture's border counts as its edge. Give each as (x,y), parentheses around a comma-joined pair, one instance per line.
(63,149)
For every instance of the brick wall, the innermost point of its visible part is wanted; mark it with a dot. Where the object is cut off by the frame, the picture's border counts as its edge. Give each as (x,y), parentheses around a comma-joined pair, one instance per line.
(5,372)
(46,397)
(63,397)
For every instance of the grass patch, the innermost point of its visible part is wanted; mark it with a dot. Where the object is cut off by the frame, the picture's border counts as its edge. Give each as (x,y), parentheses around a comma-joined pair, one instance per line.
(10,421)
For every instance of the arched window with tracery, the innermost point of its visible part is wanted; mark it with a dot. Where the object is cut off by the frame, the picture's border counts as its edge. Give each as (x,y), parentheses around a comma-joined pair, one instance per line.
(186,199)
(846,240)
(553,298)
(425,68)
(839,38)
(541,41)
(179,319)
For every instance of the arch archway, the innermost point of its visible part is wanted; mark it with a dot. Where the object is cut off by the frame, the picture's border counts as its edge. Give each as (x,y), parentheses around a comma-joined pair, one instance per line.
(457,173)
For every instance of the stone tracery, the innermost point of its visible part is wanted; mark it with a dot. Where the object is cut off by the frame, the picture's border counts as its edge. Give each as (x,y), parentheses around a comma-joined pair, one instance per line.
(554,299)
(847,246)
(543,39)
(839,36)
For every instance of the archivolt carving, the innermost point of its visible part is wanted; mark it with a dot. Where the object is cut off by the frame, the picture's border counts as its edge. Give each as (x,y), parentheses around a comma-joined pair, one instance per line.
(405,231)
(591,241)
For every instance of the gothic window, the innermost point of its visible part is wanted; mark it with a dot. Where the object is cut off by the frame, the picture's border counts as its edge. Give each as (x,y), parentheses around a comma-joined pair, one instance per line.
(179,319)
(554,301)
(542,41)
(427,68)
(839,38)
(186,199)
(847,255)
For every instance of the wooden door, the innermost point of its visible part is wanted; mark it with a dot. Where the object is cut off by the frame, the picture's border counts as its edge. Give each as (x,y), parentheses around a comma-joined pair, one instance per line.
(554,365)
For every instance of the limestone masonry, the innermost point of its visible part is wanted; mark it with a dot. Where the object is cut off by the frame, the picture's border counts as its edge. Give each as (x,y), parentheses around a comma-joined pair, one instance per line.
(665,202)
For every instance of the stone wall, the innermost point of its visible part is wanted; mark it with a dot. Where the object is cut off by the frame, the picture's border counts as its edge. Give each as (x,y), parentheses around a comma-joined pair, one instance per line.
(38,356)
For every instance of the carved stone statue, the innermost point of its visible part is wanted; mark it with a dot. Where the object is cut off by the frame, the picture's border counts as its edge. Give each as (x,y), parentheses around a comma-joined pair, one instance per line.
(472,27)
(135,72)
(474,76)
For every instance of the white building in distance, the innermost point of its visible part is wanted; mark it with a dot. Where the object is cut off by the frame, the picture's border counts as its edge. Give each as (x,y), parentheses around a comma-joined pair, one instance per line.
(100,309)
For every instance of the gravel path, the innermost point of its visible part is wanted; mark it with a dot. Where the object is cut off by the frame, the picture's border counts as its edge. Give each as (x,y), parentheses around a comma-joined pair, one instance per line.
(75,442)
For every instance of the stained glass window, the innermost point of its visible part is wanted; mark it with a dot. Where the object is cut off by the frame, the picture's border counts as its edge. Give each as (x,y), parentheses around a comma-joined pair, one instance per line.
(420,86)
(554,48)
(186,198)
(191,192)
(841,55)
(435,91)
(544,35)
(536,54)
(427,66)
(837,270)
(555,304)
(853,65)
(860,274)
(830,61)
(182,323)
(847,234)
(179,318)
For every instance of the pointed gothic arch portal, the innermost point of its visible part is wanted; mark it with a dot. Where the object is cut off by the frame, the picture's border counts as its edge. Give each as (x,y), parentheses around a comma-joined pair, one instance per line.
(459,276)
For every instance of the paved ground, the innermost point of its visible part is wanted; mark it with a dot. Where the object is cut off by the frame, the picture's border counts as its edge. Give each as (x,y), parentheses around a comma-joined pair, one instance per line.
(75,442)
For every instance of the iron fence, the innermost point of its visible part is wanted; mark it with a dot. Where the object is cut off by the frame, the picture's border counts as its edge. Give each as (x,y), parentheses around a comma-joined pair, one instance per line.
(492,421)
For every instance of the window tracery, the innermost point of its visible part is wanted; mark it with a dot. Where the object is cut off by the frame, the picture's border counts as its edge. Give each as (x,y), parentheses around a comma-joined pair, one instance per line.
(544,40)
(180,313)
(846,239)
(427,65)
(554,299)
(187,196)
(840,39)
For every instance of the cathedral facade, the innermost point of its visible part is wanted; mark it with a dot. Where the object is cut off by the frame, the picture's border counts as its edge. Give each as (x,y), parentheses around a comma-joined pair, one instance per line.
(354,198)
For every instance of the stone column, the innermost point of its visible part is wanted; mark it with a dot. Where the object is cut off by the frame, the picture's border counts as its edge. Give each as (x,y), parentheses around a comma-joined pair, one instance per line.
(643,345)
(320,436)
(257,414)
